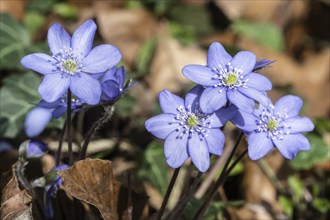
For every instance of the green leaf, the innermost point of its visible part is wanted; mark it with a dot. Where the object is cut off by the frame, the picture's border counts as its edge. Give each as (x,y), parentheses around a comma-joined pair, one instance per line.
(297,187)
(186,34)
(266,34)
(286,204)
(145,55)
(322,125)
(16,94)
(322,205)
(66,10)
(15,43)
(154,167)
(318,153)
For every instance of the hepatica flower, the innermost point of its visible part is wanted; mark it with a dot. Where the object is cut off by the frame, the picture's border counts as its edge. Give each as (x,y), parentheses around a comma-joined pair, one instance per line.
(32,149)
(278,126)
(229,78)
(188,132)
(73,63)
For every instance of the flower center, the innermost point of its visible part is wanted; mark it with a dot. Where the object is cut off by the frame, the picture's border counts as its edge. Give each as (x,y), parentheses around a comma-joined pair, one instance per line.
(192,121)
(272,125)
(231,79)
(70,65)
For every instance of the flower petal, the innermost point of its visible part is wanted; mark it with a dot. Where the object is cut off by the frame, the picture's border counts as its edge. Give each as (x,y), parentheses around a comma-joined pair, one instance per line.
(101,58)
(161,125)
(199,152)
(245,121)
(169,102)
(258,81)
(220,117)
(82,38)
(58,39)
(175,149)
(200,74)
(259,145)
(53,86)
(215,140)
(254,94)
(39,62)
(44,104)
(86,88)
(245,61)
(291,144)
(299,124)
(262,64)
(191,101)
(110,90)
(58,112)
(212,100)
(240,101)
(289,104)
(36,121)
(217,57)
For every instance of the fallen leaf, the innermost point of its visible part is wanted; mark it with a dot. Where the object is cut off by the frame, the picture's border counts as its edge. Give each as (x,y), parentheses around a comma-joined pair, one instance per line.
(93,182)
(15,202)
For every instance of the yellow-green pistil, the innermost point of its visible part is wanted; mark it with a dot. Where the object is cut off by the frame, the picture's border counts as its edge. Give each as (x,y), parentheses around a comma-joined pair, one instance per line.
(272,125)
(70,65)
(192,121)
(231,79)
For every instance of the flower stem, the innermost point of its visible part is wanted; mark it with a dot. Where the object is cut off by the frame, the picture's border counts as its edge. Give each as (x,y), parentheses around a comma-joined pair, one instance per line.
(60,143)
(167,194)
(69,128)
(106,117)
(221,179)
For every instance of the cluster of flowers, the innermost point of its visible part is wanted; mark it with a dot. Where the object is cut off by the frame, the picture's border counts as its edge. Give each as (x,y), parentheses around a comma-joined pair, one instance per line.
(90,74)
(91,77)
(229,89)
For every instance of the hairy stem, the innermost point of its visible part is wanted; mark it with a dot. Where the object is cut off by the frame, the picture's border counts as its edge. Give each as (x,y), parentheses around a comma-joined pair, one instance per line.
(97,125)
(167,194)
(222,177)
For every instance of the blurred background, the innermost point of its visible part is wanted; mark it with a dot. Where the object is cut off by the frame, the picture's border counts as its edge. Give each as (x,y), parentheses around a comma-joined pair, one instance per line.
(157,39)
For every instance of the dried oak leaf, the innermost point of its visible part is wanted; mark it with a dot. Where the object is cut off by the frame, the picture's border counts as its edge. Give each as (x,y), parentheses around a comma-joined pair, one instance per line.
(93,182)
(14,201)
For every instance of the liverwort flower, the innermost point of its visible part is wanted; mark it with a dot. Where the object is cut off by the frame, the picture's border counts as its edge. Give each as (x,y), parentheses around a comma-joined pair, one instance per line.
(72,64)
(227,78)
(38,118)
(188,132)
(32,149)
(277,125)
(113,84)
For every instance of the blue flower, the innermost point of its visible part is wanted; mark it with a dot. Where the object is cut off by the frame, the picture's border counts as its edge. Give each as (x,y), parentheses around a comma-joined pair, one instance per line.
(188,132)
(262,64)
(32,149)
(38,118)
(113,84)
(72,64)
(277,125)
(227,78)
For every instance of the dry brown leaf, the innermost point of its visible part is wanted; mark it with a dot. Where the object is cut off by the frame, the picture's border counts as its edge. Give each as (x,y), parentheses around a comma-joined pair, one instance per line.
(93,182)
(14,201)
(14,8)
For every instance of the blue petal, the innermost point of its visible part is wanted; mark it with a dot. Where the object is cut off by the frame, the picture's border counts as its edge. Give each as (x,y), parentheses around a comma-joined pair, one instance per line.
(291,144)
(101,58)
(175,150)
(245,61)
(200,74)
(262,64)
(256,95)
(299,124)
(82,38)
(35,149)
(115,74)
(58,39)
(44,104)
(245,121)
(215,141)
(258,81)
(58,112)
(191,101)
(259,145)
(199,152)
(220,117)
(39,62)
(86,88)
(240,101)
(217,57)
(212,100)
(53,86)
(111,90)
(289,104)
(169,102)
(36,121)
(162,125)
